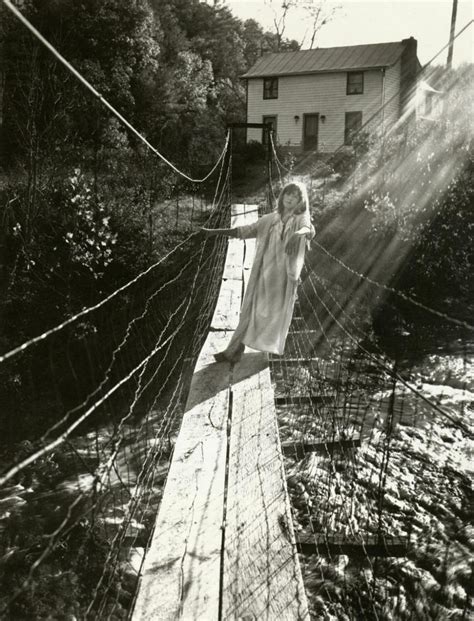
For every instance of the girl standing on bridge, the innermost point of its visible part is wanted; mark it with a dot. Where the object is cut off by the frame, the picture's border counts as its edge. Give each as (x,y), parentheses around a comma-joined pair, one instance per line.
(268,303)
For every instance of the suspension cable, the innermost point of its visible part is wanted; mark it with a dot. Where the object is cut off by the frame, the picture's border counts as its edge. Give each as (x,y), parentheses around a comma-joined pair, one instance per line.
(405,297)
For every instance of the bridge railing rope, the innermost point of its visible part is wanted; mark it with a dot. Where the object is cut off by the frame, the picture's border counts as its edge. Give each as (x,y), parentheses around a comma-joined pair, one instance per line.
(95,425)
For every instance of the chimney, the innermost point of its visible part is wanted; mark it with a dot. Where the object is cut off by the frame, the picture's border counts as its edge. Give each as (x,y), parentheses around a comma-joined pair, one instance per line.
(408,72)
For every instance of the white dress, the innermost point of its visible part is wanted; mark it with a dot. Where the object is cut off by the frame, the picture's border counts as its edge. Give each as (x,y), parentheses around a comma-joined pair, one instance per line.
(268,303)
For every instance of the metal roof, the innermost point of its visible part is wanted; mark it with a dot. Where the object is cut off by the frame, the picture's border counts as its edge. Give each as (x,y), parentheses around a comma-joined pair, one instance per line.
(347,58)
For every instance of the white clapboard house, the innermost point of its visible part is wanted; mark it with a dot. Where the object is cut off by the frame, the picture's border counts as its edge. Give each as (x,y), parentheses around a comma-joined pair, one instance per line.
(315,98)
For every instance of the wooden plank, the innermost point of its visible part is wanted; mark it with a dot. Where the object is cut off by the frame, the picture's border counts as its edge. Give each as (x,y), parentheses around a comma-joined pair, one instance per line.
(226,314)
(373,545)
(299,450)
(304,399)
(241,124)
(262,577)
(237,217)
(237,248)
(180,577)
(234,259)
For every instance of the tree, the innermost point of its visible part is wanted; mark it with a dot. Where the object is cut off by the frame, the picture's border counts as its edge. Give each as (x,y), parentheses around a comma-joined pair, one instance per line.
(317,14)
(114,45)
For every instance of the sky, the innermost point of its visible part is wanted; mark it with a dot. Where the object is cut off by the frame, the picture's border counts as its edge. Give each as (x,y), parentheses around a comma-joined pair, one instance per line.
(378,21)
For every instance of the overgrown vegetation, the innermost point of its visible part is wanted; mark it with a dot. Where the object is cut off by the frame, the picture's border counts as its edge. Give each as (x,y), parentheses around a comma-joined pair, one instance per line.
(398,206)
(83,206)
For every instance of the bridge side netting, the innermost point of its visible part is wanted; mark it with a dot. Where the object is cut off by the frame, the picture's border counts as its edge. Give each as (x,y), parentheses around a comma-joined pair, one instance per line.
(374,391)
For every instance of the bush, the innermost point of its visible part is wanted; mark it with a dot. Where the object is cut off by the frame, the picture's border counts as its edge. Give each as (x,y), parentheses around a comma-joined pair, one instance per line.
(343,160)
(254,151)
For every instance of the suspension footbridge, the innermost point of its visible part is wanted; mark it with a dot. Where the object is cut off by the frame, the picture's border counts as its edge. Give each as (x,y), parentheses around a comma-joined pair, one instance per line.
(224,545)
(140,479)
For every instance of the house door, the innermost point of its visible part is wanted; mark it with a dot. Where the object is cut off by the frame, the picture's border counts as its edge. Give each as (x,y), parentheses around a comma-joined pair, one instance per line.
(310,132)
(272,121)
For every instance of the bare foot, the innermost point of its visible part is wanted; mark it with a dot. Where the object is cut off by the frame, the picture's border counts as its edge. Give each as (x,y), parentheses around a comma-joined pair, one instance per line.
(223,357)
(238,354)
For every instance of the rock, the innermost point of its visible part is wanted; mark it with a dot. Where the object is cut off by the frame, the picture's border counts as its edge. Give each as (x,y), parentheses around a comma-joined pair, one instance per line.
(82,483)
(448,437)
(128,576)
(293,481)
(456,594)
(14,490)
(11,503)
(8,554)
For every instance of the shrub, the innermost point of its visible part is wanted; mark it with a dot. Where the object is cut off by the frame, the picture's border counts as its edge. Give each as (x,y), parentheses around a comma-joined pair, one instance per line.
(254,151)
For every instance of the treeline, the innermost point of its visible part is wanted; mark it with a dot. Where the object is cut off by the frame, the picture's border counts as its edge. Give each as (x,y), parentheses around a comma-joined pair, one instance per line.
(83,203)
(172,67)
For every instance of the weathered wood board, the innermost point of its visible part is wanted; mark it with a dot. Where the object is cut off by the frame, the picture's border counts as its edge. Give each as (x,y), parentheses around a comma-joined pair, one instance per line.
(234,260)
(300,449)
(226,314)
(262,577)
(373,545)
(180,577)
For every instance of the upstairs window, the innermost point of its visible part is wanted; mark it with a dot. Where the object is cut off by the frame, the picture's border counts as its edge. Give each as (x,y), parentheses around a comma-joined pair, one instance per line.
(355,83)
(270,88)
(352,126)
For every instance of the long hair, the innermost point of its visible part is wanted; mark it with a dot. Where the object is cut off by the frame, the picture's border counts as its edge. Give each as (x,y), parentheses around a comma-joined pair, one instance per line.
(298,188)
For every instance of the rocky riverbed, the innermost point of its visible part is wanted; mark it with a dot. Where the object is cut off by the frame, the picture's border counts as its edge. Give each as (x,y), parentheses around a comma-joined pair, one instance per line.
(410,478)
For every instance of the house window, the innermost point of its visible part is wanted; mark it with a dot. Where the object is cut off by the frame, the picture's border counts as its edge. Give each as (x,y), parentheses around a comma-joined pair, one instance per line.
(352,125)
(270,88)
(355,83)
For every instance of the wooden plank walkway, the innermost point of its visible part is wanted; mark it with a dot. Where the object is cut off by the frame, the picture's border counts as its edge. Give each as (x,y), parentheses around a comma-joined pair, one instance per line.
(373,545)
(224,545)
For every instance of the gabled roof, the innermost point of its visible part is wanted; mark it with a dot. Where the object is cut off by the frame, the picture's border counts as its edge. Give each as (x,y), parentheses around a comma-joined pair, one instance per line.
(347,58)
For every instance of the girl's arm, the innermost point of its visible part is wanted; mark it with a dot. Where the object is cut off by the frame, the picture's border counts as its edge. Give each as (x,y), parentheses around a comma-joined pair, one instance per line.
(292,245)
(307,230)
(305,226)
(227,232)
(247,231)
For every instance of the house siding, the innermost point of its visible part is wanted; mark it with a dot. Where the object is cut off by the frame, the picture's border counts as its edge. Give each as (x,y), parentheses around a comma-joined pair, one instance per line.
(392,95)
(323,93)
